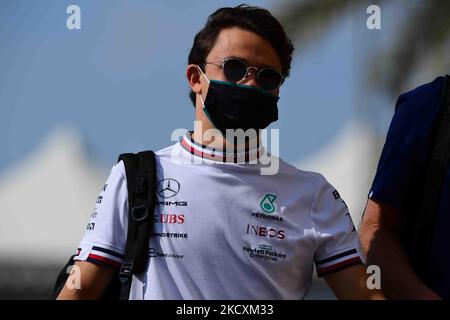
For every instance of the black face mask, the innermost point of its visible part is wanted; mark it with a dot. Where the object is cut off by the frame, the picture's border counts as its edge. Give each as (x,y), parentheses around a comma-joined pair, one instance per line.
(232,106)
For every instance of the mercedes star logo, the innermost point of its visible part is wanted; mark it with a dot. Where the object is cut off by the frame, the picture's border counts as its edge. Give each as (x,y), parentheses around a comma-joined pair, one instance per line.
(168,188)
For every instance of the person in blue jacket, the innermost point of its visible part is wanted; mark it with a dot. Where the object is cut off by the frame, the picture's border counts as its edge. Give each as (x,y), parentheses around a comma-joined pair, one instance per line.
(393,199)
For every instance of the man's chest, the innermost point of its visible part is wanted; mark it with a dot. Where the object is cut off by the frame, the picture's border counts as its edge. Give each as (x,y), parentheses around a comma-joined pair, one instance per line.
(229,219)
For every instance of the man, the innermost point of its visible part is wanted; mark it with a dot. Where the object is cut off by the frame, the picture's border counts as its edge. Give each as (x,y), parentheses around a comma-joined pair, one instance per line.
(224,230)
(395,201)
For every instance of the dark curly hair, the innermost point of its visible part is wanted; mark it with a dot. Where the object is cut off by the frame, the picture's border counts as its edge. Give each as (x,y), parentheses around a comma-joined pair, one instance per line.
(254,19)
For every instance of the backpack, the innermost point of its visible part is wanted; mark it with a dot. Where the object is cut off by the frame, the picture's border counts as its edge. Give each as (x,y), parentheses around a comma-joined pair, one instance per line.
(141,183)
(423,224)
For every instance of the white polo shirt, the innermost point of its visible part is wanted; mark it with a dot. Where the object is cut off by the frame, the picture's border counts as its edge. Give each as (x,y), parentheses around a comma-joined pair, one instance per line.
(224,231)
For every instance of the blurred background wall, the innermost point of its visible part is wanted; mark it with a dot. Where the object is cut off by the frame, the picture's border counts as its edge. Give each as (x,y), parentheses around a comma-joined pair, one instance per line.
(72,100)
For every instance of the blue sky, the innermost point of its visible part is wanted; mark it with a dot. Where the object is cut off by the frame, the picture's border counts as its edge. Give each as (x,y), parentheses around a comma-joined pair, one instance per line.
(120,80)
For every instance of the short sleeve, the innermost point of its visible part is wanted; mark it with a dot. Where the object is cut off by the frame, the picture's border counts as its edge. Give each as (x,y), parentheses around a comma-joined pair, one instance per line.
(337,241)
(105,236)
(407,145)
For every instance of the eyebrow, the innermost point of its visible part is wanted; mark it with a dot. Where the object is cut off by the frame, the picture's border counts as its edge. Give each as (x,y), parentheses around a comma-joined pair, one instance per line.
(260,67)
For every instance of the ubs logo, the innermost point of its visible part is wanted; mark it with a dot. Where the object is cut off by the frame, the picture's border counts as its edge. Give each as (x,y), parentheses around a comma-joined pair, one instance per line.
(168,188)
(169,218)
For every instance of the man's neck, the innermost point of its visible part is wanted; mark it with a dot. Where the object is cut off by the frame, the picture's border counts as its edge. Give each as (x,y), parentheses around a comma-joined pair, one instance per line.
(220,143)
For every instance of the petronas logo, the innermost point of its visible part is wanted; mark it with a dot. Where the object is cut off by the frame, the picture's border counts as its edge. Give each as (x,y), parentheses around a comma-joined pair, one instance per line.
(267,203)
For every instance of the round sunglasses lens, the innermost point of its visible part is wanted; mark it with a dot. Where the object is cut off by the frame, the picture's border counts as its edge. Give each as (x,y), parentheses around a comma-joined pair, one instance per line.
(234,70)
(269,79)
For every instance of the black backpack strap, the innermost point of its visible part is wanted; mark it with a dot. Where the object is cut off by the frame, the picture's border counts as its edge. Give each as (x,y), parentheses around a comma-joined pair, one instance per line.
(141,182)
(434,176)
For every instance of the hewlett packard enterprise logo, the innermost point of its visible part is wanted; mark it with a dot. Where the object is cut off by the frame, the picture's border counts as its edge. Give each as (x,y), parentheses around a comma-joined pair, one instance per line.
(264,252)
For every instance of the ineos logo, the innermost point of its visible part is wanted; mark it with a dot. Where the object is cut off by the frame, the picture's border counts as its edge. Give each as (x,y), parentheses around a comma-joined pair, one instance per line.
(168,188)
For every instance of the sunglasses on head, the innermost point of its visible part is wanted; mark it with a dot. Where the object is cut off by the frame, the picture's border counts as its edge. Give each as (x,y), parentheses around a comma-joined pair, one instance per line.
(235,69)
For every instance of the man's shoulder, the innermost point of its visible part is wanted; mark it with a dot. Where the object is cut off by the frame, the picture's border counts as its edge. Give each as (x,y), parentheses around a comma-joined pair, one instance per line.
(423,96)
(118,170)
(305,176)
(165,150)
(416,113)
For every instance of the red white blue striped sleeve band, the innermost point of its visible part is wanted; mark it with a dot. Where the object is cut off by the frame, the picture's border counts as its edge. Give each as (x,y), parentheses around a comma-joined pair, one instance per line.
(97,254)
(338,262)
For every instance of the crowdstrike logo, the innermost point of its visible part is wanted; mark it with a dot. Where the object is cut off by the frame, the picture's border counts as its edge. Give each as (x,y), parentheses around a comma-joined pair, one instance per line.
(169,235)
(168,188)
